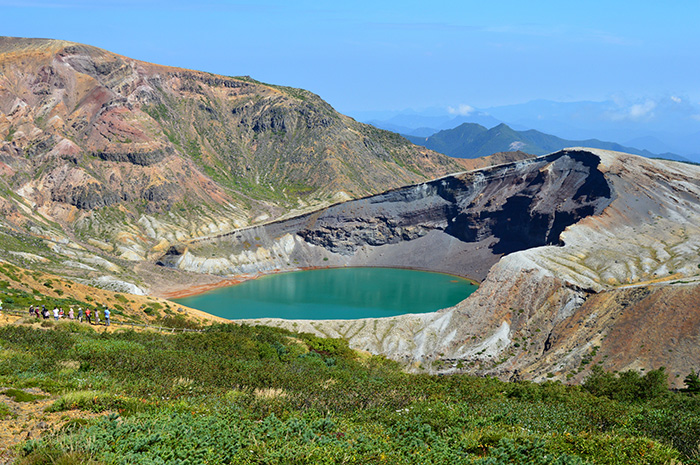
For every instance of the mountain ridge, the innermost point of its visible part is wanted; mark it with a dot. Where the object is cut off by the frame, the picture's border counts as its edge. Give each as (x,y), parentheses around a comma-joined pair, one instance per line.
(660,124)
(471,140)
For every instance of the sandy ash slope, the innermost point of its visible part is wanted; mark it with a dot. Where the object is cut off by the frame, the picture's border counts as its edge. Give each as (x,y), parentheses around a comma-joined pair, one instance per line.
(587,257)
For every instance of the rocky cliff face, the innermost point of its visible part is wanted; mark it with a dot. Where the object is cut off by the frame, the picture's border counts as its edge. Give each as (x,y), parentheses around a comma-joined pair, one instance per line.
(482,215)
(587,257)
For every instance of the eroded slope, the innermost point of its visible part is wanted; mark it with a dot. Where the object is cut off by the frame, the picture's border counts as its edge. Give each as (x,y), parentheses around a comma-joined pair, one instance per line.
(106,161)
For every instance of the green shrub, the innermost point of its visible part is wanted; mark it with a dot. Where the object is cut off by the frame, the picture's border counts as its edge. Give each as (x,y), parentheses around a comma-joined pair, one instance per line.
(692,383)
(108,352)
(96,401)
(627,386)
(21,396)
(178,322)
(326,346)
(5,411)
(37,452)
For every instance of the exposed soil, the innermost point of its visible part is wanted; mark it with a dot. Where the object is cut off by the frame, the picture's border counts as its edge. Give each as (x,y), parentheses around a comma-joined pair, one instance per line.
(179,291)
(30,421)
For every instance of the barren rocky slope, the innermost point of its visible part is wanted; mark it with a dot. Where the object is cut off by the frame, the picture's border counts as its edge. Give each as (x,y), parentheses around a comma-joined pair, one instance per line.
(587,257)
(459,224)
(105,161)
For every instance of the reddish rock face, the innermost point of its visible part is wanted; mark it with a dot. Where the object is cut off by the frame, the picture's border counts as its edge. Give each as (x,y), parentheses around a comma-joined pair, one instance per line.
(150,137)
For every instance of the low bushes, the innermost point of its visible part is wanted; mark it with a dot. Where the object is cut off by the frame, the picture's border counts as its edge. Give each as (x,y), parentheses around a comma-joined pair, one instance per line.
(240,394)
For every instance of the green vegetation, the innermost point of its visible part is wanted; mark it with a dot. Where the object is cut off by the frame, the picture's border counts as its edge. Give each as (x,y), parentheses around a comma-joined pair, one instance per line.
(158,112)
(692,383)
(5,411)
(627,386)
(240,394)
(20,396)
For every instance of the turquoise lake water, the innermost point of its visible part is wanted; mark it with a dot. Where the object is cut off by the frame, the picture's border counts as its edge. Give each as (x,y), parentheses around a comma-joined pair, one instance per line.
(334,294)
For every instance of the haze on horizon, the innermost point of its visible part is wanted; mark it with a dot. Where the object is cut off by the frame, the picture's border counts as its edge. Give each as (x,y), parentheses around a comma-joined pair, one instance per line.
(389,56)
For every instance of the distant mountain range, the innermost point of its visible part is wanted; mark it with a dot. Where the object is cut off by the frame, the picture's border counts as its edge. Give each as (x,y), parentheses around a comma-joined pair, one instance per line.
(660,125)
(471,140)
(426,125)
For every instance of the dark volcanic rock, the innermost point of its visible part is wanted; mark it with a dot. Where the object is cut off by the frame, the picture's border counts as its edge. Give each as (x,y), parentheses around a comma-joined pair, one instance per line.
(521,206)
(461,224)
(86,197)
(136,158)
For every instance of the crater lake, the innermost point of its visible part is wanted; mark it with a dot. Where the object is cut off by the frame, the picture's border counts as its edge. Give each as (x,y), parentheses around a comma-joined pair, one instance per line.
(334,294)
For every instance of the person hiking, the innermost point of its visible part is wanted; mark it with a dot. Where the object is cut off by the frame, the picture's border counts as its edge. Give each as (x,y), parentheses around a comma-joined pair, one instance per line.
(45,312)
(60,313)
(31,310)
(71,315)
(80,314)
(87,315)
(97,316)
(107,313)
(55,313)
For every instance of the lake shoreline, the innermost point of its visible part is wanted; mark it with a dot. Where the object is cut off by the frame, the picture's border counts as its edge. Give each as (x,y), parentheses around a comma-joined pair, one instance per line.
(192,290)
(345,292)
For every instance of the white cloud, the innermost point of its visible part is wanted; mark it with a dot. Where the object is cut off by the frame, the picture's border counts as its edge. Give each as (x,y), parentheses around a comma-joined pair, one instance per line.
(634,112)
(676,99)
(461,110)
(642,110)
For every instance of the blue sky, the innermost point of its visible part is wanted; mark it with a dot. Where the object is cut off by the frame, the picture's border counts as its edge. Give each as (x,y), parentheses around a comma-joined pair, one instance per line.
(391,55)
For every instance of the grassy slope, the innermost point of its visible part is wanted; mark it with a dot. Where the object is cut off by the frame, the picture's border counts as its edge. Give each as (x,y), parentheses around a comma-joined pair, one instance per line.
(238,394)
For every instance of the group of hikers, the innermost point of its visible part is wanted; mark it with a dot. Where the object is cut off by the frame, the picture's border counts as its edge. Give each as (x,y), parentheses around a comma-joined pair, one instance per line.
(58,313)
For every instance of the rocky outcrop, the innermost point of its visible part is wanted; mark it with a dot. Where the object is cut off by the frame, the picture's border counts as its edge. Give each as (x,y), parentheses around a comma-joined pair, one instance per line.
(86,196)
(137,158)
(516,207)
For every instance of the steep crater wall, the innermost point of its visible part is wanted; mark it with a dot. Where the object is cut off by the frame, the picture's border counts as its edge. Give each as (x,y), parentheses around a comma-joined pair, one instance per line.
(460,224)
